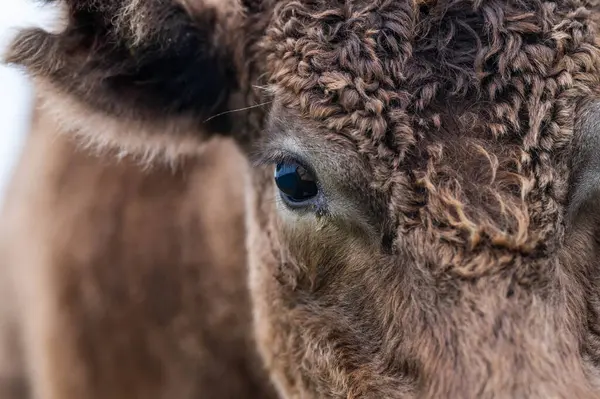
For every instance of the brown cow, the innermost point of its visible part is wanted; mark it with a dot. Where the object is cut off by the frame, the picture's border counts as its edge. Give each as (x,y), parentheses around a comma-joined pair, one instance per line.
(430,230)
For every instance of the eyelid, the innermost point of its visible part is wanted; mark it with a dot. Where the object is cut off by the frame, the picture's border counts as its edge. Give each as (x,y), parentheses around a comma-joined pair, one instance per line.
(271,156)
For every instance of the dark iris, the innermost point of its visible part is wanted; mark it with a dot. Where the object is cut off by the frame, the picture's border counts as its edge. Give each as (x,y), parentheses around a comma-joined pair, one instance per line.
(295,182)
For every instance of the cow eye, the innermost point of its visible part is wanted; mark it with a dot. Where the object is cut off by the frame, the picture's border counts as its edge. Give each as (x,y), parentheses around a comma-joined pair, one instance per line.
(296,184)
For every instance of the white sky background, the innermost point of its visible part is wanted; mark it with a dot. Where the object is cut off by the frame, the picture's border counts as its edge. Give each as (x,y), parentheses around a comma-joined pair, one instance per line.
(15,89)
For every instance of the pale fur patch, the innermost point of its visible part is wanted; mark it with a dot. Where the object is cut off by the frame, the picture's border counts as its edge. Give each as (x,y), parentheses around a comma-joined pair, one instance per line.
(159,140)
(138,18)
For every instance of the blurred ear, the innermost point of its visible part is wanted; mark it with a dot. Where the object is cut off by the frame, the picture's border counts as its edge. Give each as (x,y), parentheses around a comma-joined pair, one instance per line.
(145,76)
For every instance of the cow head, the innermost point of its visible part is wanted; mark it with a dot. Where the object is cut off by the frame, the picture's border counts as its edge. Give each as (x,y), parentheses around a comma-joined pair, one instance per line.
(423,209)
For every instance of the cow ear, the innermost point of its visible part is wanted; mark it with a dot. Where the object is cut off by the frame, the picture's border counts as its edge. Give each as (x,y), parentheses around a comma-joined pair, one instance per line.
(144,76)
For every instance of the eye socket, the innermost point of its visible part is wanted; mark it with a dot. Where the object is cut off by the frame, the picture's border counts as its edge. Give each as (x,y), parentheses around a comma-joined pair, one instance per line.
(296,184)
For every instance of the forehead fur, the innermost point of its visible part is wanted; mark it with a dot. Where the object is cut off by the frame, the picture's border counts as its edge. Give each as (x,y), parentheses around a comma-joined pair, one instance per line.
(463,108)
(332,59)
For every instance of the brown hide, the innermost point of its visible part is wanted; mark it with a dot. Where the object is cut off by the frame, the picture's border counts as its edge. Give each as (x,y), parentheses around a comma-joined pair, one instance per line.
(125,283)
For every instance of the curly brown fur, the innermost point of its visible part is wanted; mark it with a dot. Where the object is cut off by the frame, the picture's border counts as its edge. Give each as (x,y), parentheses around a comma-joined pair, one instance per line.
(454,251)
(127,284)
(463,112)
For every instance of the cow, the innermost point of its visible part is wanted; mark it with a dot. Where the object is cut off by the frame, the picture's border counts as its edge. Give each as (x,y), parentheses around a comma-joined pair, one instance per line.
(420,209)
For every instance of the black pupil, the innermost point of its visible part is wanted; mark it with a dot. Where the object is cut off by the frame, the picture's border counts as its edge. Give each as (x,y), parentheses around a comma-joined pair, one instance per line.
(295,182)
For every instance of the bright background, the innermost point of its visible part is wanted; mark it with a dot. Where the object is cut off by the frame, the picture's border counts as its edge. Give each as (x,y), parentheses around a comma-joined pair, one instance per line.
(15,89)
